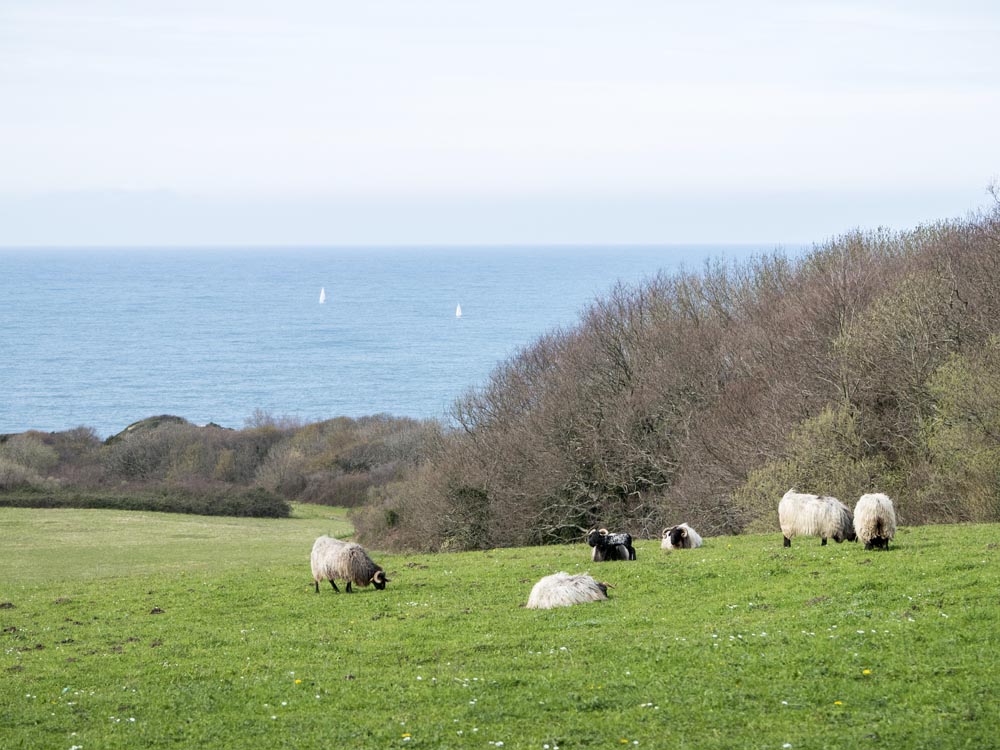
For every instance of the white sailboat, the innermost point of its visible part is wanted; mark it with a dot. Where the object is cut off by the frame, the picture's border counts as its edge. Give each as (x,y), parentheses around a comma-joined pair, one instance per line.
(458,311)
(322,295)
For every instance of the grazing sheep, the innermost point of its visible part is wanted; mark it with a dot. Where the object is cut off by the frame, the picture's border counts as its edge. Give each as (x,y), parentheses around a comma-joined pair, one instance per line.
(681,536)
(333,558)
(811,515)
(564,590)
(608,546)
(875,520)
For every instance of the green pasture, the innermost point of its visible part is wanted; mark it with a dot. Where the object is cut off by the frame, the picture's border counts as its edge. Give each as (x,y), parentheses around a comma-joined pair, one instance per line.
(144,630)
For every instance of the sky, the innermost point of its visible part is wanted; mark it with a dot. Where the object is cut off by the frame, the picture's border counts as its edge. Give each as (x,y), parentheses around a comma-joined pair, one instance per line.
(137,122)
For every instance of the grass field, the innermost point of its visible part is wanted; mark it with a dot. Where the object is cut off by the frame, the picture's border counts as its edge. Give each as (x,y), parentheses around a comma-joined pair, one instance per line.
(142,630)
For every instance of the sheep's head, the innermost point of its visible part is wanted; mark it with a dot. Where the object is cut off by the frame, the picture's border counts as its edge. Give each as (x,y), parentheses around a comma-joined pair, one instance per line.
(595,536)
(379,580)
(677,536)
(847,536)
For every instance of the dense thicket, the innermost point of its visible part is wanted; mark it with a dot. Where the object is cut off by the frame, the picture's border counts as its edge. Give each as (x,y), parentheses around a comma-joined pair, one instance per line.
(868,363)
(166,463)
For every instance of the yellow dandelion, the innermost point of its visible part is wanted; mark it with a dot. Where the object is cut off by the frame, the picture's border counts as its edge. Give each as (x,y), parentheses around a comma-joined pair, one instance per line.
(298,682)
(866,671)
(406,734)
(623,741)
(838,703)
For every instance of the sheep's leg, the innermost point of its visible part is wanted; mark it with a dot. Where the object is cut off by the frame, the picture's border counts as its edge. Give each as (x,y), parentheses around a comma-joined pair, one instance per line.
(824,542)
(349,588)
(317,586)
(332,584)
(788,542)
(631,553)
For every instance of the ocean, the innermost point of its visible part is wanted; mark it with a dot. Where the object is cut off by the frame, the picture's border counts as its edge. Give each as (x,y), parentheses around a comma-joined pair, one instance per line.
(105,337)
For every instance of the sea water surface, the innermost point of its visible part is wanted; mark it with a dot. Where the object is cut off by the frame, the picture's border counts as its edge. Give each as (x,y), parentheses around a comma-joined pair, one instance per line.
(105,337)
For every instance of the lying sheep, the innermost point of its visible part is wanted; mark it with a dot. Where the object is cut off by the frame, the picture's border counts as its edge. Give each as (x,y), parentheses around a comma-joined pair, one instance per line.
(875,520)
(681,536)
(333,558)
(563,590)
(608,546)
(812,515)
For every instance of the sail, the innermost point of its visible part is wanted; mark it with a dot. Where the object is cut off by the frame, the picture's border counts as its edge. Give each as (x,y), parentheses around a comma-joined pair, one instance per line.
(322,295)
(458,311)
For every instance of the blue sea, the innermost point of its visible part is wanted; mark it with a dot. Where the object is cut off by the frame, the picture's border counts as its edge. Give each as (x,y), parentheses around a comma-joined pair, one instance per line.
(103,338)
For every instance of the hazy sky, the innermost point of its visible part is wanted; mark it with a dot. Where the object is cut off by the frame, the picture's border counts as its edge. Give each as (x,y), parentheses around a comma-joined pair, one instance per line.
(406,121)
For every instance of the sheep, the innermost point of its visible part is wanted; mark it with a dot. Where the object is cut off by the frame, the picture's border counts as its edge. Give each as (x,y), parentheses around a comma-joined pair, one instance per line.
(334,558)
(608,546)
(812,515)
(681,536)
(875,521)
(563,590)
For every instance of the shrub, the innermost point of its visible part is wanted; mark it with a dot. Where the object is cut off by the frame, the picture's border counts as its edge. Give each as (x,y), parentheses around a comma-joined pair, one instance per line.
(29,451)
(825,456)
(254,502)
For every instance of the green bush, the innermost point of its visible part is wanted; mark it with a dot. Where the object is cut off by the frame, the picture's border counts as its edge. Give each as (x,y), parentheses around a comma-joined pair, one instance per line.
(823,455)
(28,450)
(253,502)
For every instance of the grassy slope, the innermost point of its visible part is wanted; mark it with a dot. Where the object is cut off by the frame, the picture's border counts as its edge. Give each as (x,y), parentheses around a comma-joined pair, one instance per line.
(739,644)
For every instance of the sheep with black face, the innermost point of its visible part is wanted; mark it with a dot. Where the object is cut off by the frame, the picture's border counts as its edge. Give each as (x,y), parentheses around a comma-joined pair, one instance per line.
(875,521)
(333,558)
(681,536)
(609,546)
(813,515)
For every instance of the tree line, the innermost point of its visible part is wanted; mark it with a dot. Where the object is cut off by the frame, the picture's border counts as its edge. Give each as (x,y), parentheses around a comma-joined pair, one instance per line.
(867,363)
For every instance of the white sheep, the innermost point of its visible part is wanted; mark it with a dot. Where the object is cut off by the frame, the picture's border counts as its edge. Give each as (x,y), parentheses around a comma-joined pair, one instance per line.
(875,520)
(681,536)
(334,558)
(813,515)
(563,590)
